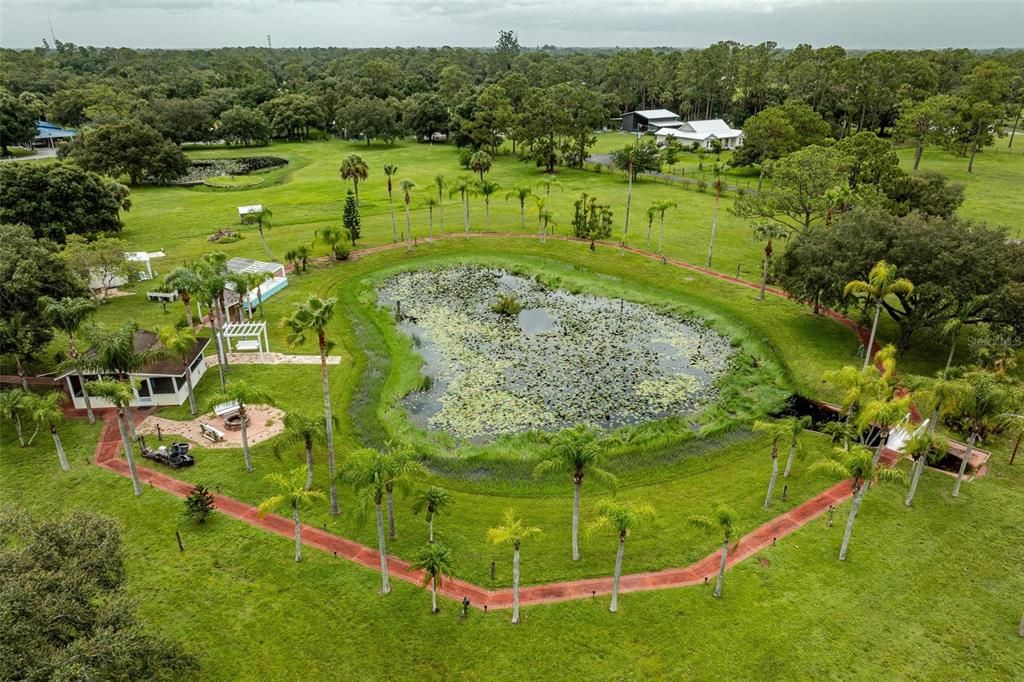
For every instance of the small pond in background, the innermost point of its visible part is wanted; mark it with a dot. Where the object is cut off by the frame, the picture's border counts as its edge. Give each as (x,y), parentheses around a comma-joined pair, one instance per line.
(563,359)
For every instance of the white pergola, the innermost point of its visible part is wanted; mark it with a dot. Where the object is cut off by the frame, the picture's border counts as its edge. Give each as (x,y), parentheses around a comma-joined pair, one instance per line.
(252,336)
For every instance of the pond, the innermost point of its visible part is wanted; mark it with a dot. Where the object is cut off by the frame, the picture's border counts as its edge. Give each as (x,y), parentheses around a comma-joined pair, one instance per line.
(560,360)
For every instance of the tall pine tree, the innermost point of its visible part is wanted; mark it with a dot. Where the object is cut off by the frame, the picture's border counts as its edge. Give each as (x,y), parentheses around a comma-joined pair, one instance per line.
(351,219)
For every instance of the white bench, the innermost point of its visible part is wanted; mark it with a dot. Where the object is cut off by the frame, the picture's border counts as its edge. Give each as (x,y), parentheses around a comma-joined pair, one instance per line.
(214,435)
(247,345)
(162,295)
(228,409)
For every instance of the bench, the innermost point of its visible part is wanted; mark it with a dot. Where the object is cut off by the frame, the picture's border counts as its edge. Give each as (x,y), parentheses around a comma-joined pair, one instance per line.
(210,433)
(247,345)
(162,295)
(228,409)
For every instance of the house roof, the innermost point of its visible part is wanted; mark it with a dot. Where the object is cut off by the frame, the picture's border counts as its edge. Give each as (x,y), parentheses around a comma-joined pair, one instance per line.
(654,114)
(239,265)
(144,340)
(47,131)
(714,126)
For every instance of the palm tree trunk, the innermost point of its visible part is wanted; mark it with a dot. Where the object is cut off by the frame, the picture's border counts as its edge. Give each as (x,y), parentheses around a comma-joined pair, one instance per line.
(721,568)
(433,594)
(618,574)
(918,470)
(871,340)
(487,213)
(629,199)
(775,476)
(266,248)
(952,349)
(391,514)
(298,531)
(515,586)
(60,449)
(430,222)
(309,467)
(963,464)
(440,206)
(408,229)
(191,390)
(17,429)
(355,185)
(465,212)
(329,426)
(883,440)
(576,520)
(661,234)
(522,215)
(185,301)
(85,396)
(789,460)
(394,226)
(430,525)
(854,508)
(385,585)
(764,275)
(714,227)
(129,454)
(245,440)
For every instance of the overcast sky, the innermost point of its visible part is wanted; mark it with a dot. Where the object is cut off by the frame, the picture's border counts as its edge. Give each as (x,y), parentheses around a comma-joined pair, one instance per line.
(679,23)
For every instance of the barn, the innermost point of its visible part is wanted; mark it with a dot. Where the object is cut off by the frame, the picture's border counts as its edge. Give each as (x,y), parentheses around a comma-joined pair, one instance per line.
(649,120)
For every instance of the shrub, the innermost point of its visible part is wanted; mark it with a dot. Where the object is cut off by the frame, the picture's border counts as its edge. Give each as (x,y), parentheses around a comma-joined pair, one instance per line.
(199,504)
(507,306)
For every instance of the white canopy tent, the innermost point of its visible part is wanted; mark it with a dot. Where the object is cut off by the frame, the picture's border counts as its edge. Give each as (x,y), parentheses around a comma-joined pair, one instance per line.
(252,336)
(249,210)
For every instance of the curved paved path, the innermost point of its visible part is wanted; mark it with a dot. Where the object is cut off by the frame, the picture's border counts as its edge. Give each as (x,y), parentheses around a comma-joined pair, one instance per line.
(106,456)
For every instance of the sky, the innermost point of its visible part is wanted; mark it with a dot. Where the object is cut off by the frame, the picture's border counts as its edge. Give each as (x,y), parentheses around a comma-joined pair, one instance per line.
(471,23)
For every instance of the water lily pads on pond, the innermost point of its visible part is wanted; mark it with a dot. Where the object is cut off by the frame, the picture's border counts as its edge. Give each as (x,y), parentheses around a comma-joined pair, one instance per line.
(564,359)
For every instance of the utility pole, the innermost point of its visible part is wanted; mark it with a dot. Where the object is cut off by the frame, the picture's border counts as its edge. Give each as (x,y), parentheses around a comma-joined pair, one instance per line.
(52,34)
(269,46)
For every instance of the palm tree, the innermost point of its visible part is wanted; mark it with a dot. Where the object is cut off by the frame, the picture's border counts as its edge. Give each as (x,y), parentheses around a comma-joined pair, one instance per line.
(301,429)
(367,471)
(984,406)
(781,431)
(858,464)
(462,186)
(244,282)
(431,203)
(545,218)
(212,274)
(440,183)
(883,414)
(13,404)
(261,219)
(724,520)
(942,394)
(401,468)
(660,207)
(858,385)
(389,170)
(294,492)
(623,519)
(407,187)
(243,394)
(549,181)
(313,317)
(436,563)
(332,236)
(480,162)
(923,447)
(767,233)
(521,193)
(486,188)
(182,342)
(16,336)
(119,394)
(577,450)
(114,352)
(881,283)
(512,532)
(714,216)
(186,282)
(68,315)
(433,500)
(355,169)
(48,410)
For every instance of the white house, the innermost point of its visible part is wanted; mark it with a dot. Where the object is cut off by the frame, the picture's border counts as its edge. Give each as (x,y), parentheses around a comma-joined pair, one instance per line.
(160,382)
(703,133)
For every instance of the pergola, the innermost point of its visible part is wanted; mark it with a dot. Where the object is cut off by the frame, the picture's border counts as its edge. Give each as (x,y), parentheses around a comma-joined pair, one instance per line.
(252,335)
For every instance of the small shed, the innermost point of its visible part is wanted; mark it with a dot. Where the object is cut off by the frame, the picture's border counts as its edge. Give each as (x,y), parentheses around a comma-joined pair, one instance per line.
(244,211)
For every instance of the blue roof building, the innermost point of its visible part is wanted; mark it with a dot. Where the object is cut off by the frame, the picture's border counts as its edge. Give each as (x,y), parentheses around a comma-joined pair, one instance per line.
(48,133)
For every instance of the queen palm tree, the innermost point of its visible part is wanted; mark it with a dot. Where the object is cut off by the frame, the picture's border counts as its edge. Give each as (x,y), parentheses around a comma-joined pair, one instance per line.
(521,194)
(186,282)
(389,170)
(292,489)
(114,352)
(577,450)
(401,468)
(431,203)
(881,283)
(941,394)
(302,429)
(433,500)
(312,318)
(724,520)
(332,236)
(441,184)
(244,394)
(858,464)
(68,315)
(883,414)
(622,519)
(923,447)
(486,189)
(13,405)
(48,410)
(961,317)
(858,386)
(985,405)
(407,187)
(462,186)
(785,431)
(548,182)
(367,471)
(120,395)
(512,532)
(545,217)
(659,208)
(436,563)
(261,219)
(354,168)
(181,342)
(767,233)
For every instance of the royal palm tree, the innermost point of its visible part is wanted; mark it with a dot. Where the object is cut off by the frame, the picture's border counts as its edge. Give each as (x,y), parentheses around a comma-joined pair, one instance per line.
(521,194)
(433,500)
(244,394)
(68,315)
(486,189)
(462,186)
(181,342)
(882,282)
(441,184)
(858,464)
(401,468)
(767,233)
(261,219)
(312,318)
(354,168)
(431,203)
(724,521)
(47,410)
(332,236)
(407,187)
(436,563)
(577,450)
(622,519)
(367,471)
(922,447)
(292,489)
(389,170)
(186,282)
(512,532)
(302,429)
(985,405)
(13,405)
(782,431)
(119,394)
